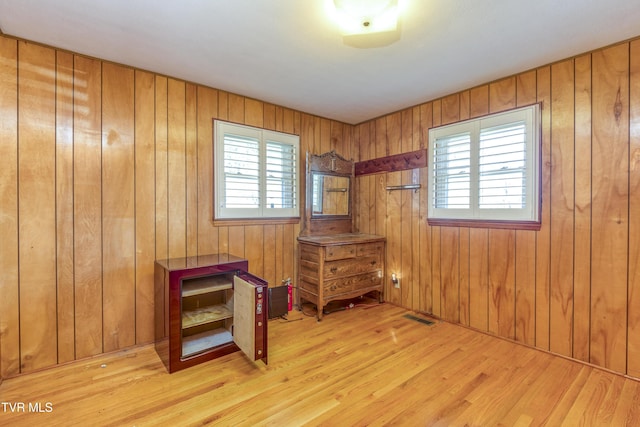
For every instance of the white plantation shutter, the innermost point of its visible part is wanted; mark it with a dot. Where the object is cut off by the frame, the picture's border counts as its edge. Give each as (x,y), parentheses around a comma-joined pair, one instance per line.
(487,168)
(452,169)
(256,172)
(241,172)
(502,167)
(281,175)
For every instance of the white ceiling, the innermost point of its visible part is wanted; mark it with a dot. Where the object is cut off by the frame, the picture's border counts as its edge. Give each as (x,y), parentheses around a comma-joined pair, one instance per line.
(288,53)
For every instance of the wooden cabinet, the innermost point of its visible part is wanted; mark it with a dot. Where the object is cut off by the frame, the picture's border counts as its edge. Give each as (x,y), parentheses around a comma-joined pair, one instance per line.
(340,266)
(208,306)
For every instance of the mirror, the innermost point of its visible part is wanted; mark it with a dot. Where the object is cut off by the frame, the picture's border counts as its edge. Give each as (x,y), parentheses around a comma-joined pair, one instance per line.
(330,194)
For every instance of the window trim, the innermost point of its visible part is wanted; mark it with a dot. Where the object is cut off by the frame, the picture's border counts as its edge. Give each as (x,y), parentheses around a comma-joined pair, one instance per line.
(252,215)
(534,202)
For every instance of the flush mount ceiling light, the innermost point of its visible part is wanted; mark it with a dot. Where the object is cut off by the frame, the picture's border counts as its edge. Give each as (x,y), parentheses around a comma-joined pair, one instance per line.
(367,23)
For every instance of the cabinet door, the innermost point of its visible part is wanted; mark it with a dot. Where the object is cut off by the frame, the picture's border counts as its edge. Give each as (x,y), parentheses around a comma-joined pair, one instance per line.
(249,325)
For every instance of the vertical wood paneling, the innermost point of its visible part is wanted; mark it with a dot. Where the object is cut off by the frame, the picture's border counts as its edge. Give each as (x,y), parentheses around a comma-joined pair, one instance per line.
(502,283)
(425,284)
(543,237)
(562,196)
(570,284)
(417,143)
(177,173)
(236,243)
(610,204)
(236,108)
(64,206)
(144,204)
(394,240)
(162,179)
(191,153)
(525,287)
(502,95)
(450,273)
(116,168)
(525,242)
(9,285)
(87,206)
(253,112)
(582,210)
(479,272)
(274,235)
(633,351)
(118,213)
(207,111)
(254,249)
(324,135)
(526,88)
(272,120)
(36,206)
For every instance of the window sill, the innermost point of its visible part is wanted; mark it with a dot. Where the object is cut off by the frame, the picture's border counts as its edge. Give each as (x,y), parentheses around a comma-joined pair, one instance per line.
(510,225)
(255,221)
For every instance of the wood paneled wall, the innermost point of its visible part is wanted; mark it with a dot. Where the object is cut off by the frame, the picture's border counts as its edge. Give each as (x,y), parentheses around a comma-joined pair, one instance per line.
(572,288)
(105,169)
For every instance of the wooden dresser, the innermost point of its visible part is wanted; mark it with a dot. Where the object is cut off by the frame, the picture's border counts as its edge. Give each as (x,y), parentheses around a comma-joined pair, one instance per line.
(339,266)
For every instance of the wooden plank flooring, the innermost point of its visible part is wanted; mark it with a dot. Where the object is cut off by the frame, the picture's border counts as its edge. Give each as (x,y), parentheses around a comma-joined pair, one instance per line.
(365,366)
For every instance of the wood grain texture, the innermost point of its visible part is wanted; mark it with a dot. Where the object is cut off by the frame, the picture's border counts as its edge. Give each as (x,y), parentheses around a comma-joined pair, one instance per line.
(398,162)
(207,109)
(64,207)
(610,199)
(36,206)
(118,207)
(87,206)
(582,210)
(9,285)
(176,167)
(144,205)
(161,175)
(366,366)
(191,164)
(543,237)
(172,121)
(562,214)
(633,349)
(502,283)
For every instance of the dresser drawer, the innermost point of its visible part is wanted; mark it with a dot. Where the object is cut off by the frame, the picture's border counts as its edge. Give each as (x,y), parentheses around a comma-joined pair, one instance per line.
(340,252)
(348,267)
(370,249)
(347,284)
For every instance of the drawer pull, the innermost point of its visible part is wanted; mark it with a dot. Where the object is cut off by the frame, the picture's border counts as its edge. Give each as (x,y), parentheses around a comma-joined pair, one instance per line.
(373,262)
(334,269)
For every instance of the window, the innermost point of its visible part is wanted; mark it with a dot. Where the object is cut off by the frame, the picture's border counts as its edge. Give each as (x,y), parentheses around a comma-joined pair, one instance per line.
(256,172)
(486,169)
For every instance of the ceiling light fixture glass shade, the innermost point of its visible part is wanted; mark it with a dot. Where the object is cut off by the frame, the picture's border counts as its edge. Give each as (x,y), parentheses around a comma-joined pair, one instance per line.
(366,16)
(367,23)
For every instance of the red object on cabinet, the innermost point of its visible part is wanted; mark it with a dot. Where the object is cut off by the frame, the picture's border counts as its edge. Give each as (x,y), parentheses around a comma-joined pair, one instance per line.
(208,306)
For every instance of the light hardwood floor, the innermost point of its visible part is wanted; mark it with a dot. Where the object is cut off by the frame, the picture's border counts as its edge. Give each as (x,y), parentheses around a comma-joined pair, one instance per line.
(365,366)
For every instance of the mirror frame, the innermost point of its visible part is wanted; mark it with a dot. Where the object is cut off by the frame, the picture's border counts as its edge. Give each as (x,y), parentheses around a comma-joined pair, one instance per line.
(333,164)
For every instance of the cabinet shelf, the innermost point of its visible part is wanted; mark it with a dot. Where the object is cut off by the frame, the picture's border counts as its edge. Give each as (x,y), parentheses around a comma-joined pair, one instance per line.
(204,315)
(204,285)
(198,343)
